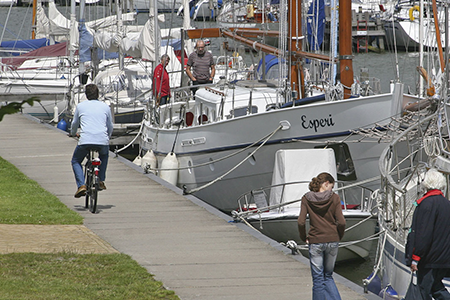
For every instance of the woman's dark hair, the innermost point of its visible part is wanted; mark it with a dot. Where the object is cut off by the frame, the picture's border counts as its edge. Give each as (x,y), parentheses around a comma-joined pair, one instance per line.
(91,91)
(317,182)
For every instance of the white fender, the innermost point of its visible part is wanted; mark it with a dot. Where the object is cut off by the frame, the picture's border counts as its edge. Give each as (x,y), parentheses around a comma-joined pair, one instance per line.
(55,114)
(149,162)
(169,162)
(137,160)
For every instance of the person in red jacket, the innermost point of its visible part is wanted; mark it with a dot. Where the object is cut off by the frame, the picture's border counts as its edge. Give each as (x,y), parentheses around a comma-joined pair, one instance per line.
(326,229)
(161,86)
(428,245)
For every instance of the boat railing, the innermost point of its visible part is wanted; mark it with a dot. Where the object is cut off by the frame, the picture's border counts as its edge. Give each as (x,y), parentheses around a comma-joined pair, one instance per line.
(402,166)
(353,196)
(182,106)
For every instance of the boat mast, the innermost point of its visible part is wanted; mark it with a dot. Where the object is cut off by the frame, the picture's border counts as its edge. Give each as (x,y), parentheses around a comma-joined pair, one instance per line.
(421,15)
(345,46)
(33,22)
(73,22)
(438,36)
(295,44)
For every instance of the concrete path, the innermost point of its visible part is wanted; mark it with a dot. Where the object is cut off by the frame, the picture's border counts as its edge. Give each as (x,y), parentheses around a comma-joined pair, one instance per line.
(191,247)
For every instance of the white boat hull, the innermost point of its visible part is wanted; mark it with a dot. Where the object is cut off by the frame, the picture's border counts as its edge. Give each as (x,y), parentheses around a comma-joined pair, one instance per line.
(310,125)
(395,271)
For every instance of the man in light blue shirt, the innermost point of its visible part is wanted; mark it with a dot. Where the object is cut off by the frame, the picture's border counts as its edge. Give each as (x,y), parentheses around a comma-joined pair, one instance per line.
(95,120)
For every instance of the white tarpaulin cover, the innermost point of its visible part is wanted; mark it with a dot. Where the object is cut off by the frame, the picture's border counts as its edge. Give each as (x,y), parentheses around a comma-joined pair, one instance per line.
(299,165)
(59,27)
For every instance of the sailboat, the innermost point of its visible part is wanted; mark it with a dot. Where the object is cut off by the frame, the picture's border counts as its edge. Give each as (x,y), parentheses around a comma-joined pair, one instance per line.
(416,142)
(222,143)
(403,27)
(420,143)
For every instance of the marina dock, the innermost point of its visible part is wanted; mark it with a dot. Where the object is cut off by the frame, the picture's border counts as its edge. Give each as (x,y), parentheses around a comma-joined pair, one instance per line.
(191,247)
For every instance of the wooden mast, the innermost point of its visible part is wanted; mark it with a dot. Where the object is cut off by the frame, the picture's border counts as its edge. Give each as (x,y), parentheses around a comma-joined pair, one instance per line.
(345,46)
(438,36)
(33,21)
(295,44)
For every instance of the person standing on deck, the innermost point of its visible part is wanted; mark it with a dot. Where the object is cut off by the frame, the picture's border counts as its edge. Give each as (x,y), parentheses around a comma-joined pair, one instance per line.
(161,86)
(95,120)
(427,249)
(200,66)
(327,226)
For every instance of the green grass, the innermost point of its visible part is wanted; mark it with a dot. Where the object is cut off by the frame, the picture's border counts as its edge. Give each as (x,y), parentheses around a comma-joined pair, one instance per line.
(34,276)
(24,201)
(74,276)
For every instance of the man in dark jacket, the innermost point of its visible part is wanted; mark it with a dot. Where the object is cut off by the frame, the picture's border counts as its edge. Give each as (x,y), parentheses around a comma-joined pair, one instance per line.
(428,246)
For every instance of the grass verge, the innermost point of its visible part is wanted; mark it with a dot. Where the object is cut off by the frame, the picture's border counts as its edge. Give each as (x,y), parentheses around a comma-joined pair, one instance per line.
(24,201)
(73,276)
(35,276)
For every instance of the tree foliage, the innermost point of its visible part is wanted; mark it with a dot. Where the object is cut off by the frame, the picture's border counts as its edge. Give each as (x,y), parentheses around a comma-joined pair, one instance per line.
(13,107)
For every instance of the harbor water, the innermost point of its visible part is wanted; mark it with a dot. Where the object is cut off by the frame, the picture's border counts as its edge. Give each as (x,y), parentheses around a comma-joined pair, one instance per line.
(16,24)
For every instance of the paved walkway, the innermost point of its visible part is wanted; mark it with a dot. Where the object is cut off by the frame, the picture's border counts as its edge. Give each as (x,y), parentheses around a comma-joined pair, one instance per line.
(191,247)
(50,239)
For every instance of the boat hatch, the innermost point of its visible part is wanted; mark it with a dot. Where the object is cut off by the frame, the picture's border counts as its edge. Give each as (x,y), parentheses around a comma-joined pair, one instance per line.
(344,162)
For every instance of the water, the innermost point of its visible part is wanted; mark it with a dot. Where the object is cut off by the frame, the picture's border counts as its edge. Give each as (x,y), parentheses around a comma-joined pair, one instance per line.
(382,66)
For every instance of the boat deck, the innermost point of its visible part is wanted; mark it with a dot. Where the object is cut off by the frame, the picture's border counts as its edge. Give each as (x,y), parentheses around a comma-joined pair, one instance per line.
(194,249)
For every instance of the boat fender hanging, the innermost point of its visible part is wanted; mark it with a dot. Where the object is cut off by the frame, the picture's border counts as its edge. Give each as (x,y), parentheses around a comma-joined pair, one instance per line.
(55,113)
(149,162)
(411,12)
(62,125)
(169,169)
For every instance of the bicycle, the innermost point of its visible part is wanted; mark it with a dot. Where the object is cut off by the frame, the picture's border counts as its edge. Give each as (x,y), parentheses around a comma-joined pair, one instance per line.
(91,170)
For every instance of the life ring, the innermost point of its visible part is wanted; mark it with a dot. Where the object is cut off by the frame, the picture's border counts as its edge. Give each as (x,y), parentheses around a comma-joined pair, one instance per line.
(411,11)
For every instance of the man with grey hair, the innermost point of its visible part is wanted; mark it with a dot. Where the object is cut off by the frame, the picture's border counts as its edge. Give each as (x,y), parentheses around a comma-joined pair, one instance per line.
(428,246)
(161,86)
(200,66)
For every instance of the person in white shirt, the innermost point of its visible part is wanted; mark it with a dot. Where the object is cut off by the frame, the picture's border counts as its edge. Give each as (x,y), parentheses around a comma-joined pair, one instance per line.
(95,121)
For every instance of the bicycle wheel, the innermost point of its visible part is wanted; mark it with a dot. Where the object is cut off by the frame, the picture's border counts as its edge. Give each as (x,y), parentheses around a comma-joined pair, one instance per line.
(88,176)
(94,195)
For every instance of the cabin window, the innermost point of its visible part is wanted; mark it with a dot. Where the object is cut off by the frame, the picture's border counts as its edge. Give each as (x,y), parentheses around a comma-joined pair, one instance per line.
(344,163)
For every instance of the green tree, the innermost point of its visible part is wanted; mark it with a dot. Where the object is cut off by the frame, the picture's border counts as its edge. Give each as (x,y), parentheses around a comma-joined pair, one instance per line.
(13,107)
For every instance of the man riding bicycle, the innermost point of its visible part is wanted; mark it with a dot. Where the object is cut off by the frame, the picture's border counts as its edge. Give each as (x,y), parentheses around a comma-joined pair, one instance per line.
(95,120)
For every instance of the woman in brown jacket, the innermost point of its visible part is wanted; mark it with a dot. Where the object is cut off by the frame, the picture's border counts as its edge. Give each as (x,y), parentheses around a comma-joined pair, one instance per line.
(327,225)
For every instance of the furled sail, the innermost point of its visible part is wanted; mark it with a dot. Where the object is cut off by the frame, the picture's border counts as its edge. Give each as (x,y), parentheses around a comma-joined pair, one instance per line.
(316,24)
(58,27)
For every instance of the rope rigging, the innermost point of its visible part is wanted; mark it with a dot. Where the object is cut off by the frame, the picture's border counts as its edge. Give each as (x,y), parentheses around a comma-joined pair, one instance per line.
(235,167)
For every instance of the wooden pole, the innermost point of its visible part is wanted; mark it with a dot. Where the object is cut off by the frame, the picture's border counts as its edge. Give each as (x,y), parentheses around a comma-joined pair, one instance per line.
(295,44)
(438,36)
(345,45)
(33,20)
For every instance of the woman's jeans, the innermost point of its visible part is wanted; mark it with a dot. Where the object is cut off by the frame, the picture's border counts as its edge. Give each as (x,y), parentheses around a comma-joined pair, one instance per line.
(322,257)
(80,153)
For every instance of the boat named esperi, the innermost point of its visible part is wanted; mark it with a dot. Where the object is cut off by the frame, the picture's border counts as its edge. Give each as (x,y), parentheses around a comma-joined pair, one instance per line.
(222,142)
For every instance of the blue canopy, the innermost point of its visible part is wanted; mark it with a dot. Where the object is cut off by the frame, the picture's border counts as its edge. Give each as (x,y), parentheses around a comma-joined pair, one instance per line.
(25,45)
(270,72)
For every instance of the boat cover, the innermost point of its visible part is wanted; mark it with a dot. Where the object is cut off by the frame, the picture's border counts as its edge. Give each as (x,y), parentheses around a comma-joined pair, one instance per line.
(25,45)
(55,50)
(299,165)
